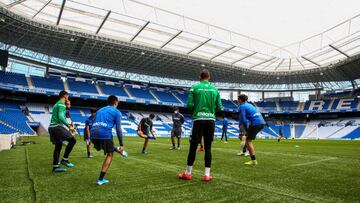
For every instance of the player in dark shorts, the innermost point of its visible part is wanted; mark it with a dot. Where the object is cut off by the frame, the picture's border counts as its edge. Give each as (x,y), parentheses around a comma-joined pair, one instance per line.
(204,99)
(145,128)
(281,130)
(59,132)
(88,125)
(253,122)
(101,135)
(224,129)
(178,121)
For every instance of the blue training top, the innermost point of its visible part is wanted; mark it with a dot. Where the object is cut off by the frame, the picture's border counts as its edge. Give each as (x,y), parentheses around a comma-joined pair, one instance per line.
(281,129)
(105,119)
(89,121)
(250,115)
(225,123)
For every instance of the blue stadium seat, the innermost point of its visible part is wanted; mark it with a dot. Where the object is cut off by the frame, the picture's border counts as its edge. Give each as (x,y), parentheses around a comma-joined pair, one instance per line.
(79,86)
(52,82)
(13,78)
(288,105)
(266,106)
(6,130)
(10,104)
(354,134)
(228,104)
(299,129)
(165,96)
(16,119)
(113,90)
(140,93)
(182,97)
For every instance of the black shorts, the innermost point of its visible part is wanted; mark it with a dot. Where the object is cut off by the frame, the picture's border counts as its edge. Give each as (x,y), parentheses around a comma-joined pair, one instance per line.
(253,131)
(202,128)
(176,132)
(58,134)
(106,145)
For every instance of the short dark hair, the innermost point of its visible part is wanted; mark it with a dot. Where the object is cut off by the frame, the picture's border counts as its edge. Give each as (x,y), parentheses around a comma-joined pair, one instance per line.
(63,93)
(243,97)
(204,74)
(152,116)
(176,108)
(93,110)
(112,99)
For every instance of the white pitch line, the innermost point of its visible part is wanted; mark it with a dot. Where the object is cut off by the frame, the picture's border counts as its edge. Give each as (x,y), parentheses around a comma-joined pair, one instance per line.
(314,162)
(172,168)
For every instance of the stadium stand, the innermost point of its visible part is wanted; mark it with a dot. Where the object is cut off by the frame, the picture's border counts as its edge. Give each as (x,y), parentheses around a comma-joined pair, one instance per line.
(53,82)
(228,104)
(13,78)
(289,105)
(17,120)
(266,106)
(5,129)
(182,96)
(113,89)
(81,86)
(165,96)
(139,92)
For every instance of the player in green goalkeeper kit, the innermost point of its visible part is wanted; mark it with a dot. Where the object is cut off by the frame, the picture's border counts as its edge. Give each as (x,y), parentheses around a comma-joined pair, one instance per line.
(59,132)
(204,99)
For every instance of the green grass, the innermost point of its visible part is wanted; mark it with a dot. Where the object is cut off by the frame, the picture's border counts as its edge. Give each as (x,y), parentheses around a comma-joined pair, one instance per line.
(315,171)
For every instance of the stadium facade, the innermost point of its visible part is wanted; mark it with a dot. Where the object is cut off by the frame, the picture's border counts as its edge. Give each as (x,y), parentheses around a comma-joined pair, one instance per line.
(93,52)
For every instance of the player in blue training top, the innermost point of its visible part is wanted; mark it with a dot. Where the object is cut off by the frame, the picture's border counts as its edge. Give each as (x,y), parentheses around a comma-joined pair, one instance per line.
(281,130)
(101,134)
(224,129)
(253,123)
(88,125)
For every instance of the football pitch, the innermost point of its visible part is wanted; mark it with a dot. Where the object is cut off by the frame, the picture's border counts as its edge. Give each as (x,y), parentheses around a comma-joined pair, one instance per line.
(289,171)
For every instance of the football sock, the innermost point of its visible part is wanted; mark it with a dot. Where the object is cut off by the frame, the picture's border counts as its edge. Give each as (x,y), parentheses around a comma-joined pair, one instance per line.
(102,175)
(178,145)
(207,171)
(244,149)
(188,170)
(253,157)
(173,145)
(143,150)
(88,154)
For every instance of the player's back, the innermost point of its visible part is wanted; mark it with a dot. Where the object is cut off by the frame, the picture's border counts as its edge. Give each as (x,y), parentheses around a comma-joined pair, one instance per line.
(252,114)
(205,100)
(104,121)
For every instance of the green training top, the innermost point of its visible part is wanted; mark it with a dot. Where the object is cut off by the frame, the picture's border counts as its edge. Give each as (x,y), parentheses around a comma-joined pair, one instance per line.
(58,115)
(204,99)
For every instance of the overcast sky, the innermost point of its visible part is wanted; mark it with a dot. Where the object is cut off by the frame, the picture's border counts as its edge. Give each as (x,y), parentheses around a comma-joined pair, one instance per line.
(277,21)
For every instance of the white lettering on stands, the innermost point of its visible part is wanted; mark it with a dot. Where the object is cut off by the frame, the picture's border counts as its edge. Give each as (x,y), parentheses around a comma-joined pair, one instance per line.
(344,104)
(316,104)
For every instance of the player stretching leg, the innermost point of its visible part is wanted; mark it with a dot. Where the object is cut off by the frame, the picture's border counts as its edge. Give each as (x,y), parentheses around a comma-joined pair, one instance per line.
(253,123)
(281,131)
(88,125)
(145,128)
(224,129)
(204,99)
(59,132)
(101,134)
(178,121)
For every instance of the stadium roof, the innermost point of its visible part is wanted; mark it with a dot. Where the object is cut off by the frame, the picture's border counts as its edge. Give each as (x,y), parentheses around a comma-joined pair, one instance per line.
(140,38)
